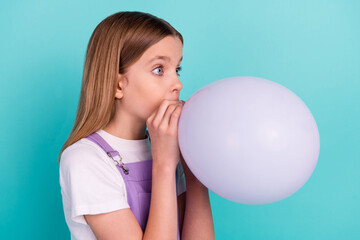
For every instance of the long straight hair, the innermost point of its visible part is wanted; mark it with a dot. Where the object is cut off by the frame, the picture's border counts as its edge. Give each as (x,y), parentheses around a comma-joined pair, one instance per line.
(116,43)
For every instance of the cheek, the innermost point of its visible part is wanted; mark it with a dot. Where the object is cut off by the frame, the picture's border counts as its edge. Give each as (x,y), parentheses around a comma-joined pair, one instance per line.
(145,100)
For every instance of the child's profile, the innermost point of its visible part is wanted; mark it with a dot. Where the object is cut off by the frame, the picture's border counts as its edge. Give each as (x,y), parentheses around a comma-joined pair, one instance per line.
(122,174)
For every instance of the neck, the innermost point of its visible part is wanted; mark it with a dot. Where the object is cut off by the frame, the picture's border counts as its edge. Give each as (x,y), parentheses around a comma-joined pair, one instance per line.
(127,127)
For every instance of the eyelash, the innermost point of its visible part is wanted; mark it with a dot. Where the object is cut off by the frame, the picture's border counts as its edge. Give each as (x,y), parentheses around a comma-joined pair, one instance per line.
(161,66)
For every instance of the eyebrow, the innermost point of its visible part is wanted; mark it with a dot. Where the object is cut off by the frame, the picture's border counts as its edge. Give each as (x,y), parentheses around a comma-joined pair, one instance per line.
(165,58)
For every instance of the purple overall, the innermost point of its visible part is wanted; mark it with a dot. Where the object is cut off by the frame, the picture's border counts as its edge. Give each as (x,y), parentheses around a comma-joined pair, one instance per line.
(138,181)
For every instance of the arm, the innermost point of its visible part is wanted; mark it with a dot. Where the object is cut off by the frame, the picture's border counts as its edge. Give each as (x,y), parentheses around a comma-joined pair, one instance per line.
(162,221)
(198,223)
(120,224)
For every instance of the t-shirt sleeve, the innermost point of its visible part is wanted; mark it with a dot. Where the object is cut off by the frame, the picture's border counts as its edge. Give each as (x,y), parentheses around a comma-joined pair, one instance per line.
(89,183)
(180,181)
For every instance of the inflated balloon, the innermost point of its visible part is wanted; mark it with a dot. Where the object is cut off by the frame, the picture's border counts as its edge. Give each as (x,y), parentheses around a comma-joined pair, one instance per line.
(248,139)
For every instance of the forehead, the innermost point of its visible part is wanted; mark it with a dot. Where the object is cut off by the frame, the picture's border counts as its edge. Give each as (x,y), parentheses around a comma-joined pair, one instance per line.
(162,57)
(168,49)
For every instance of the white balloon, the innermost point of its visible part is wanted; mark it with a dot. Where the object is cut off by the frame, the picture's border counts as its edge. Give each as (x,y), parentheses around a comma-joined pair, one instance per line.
(248,139)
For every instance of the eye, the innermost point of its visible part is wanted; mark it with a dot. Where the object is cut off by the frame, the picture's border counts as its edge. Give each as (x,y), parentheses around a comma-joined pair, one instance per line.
(178,70)
(159,70)
(156,70)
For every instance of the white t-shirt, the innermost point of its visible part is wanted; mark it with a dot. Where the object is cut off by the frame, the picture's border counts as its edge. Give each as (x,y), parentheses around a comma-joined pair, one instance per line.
(91,183)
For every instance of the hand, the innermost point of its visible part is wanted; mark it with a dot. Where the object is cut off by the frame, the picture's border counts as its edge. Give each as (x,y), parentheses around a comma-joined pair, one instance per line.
(163,130)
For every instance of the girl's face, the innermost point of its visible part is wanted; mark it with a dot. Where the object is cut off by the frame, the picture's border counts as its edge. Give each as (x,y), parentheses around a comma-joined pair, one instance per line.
(151,79)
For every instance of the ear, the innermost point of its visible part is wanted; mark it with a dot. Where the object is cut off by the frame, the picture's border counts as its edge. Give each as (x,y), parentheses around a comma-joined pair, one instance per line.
(121,84)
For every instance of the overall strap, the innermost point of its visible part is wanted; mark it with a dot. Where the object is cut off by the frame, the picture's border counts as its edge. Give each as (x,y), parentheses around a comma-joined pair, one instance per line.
(96,138)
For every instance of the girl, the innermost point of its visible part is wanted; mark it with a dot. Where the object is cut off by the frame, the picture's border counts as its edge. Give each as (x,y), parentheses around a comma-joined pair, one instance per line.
(120,173)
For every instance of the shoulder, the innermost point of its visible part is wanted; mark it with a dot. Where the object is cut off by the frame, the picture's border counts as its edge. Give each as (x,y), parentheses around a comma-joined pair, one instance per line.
(90,182)
(83,155)
(85,169)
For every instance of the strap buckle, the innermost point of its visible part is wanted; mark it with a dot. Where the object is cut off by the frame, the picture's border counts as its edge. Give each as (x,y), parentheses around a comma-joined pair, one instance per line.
(118,162)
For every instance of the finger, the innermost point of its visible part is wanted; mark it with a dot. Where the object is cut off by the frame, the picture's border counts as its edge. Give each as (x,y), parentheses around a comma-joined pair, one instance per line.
(151,117)
(165,122)
(175,117)
(154,113)
(161,111)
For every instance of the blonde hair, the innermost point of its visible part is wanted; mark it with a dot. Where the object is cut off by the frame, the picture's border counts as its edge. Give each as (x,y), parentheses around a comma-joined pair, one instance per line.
(116,43)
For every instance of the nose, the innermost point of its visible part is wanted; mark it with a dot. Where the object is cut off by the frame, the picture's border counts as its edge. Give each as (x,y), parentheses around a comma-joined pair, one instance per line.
(177,85)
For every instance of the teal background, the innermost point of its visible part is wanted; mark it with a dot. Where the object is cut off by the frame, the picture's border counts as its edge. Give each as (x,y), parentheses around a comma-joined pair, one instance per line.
(312,47)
